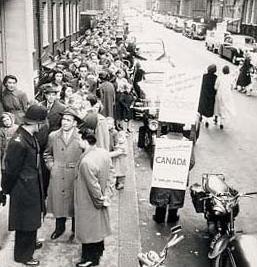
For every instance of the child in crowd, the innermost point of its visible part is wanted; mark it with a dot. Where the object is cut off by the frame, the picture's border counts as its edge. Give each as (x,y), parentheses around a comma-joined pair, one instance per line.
(119,158)
(7,129)
(126,100)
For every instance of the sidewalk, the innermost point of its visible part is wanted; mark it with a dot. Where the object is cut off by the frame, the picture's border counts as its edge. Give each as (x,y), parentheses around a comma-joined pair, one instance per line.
(121,247)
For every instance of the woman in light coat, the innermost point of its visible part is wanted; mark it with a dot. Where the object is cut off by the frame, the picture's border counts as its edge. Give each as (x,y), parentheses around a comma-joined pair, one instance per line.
(224,104)
(92,223)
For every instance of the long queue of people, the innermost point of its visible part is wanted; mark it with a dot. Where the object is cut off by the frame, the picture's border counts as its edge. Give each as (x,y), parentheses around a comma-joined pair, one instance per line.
(69,147)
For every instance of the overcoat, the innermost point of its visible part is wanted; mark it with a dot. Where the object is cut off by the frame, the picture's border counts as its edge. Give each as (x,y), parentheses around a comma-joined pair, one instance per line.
(102,132)
(207,95)
(54,115)
(224,104)
(162,197)
(107,94)
(64,156)
(94,175)
(23,181)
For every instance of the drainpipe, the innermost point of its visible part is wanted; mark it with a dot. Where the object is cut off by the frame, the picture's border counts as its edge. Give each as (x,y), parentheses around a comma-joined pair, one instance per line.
(52,23)
(39,38)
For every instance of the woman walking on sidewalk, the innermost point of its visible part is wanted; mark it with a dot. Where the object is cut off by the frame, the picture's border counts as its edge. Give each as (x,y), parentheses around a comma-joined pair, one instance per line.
(224,104)
(208,92)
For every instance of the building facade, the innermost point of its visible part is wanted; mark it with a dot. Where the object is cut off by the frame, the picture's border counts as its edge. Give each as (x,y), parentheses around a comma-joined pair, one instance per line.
(32,33)
(249,18)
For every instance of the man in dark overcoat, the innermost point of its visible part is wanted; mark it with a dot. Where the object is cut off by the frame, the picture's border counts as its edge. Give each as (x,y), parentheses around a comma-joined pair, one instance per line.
(54,116)
(23,182)
(208,93)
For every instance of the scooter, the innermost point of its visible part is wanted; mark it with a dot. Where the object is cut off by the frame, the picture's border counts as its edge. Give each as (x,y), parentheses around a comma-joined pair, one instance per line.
(220,205)
(152,258)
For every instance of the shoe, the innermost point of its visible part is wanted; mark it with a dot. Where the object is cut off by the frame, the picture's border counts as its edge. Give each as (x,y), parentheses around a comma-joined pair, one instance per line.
(32,262)
(206,124)
(221,127)
(71,237)
(38,245)
(215,120)
(157,220)
(84,264)
(57,234)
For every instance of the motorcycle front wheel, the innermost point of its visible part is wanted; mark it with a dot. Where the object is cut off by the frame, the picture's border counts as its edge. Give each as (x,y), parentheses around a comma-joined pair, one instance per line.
(225,259)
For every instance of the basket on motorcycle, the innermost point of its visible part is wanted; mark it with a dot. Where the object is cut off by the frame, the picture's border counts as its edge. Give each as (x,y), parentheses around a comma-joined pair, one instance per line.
(197,195)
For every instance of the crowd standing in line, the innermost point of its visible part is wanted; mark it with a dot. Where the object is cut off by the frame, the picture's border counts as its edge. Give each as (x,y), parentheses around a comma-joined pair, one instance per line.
(67,142)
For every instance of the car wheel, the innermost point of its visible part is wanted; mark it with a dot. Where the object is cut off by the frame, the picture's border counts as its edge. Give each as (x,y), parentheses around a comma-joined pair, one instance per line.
(234,61)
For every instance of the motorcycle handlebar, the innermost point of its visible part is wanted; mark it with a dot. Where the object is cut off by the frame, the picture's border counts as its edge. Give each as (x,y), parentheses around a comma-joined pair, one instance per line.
(176,241)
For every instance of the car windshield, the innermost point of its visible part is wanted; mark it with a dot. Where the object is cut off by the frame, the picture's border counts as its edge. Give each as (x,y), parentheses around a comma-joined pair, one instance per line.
(244,41)
(150,50)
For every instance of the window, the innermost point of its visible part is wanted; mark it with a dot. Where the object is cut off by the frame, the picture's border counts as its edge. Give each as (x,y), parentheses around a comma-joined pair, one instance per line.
(54,22)
(45,24)
(74,11)
(61,22)
(67,14)
(78,18)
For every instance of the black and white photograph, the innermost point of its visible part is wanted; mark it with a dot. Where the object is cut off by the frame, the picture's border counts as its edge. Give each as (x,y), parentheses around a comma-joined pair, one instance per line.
(128,133)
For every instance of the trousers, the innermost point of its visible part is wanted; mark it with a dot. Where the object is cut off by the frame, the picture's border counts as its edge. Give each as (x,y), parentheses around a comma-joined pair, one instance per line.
(24,245)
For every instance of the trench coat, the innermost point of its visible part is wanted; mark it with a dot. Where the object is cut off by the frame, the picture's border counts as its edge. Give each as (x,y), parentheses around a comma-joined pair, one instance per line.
(92,222)
(107,94)
(64,156)
(207,95)
(161,197)
(23,181)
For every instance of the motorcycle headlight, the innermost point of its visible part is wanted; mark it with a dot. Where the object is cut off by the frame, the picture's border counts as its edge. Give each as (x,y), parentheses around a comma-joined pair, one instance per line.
(153,125)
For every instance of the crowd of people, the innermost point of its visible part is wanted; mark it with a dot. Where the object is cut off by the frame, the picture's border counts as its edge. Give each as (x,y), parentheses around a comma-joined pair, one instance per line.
(68,147)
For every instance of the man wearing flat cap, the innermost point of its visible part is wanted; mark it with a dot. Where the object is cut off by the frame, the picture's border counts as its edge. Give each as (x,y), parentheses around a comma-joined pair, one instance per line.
(23,182)
(61,156)
(54,107)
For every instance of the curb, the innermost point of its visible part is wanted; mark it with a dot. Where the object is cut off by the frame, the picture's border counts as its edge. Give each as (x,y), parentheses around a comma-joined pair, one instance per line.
(129,232)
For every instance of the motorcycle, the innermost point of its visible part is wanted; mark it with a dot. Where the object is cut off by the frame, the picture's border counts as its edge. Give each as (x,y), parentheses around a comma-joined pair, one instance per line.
(152,258)
(220,205)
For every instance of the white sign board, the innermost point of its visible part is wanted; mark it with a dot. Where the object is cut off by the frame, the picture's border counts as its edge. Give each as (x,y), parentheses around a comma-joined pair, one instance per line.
(180,101)
(171,163)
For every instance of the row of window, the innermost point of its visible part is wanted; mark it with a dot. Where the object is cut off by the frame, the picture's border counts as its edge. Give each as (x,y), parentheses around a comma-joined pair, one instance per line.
(67,21)
(250,16)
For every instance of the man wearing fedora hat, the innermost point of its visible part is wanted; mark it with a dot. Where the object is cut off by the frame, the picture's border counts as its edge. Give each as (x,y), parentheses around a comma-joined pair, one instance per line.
(61,156)
(23,182)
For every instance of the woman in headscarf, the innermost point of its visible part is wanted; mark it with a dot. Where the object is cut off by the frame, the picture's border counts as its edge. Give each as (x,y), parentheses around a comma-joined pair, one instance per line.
(208,92)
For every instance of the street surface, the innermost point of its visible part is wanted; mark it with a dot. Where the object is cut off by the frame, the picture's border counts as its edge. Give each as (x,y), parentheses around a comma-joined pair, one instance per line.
(231,151)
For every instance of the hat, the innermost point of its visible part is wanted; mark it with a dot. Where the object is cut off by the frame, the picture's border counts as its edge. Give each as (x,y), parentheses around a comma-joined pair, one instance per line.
(212,68)
(90,122)
(35,114)
(48,88)
(72,112)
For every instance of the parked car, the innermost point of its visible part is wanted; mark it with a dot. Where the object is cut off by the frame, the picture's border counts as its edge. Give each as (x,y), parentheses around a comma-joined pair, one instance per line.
(235,47)
(171,20)
(214,39)
(187,27)
(195,30)
(179,25)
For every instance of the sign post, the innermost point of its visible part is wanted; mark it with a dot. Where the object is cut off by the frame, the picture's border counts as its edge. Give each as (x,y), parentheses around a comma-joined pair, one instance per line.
(180,101)
(171,163)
